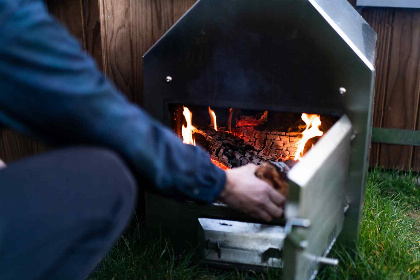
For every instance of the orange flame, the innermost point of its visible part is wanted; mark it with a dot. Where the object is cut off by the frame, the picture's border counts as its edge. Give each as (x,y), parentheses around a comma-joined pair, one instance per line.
(187,131)
(219,164)
(213,119)
(313,122)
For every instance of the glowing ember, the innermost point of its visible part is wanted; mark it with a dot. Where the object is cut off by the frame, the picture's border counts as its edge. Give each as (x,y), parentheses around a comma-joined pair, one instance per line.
(187,131)
(219,164)
(249,121)
(213,119)
(313,122)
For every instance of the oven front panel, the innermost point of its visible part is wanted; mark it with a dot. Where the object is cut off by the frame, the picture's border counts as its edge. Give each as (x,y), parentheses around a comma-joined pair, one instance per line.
(317,185)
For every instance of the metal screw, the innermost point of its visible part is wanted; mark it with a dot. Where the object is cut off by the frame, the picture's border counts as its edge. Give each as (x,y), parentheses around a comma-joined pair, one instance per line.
(168,79)
(303,244)
(342,90)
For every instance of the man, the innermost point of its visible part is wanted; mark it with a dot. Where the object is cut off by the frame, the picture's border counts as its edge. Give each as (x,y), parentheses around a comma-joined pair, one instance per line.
(60,212)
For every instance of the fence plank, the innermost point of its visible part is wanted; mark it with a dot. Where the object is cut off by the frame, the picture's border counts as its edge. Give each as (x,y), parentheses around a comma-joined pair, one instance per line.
(401,101)
(381,22)
(16,146)
(92,30)
(69,13)
(117,44)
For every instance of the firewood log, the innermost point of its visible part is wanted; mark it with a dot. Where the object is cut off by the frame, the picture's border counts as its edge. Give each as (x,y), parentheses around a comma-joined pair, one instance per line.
(275,174)
(229,149)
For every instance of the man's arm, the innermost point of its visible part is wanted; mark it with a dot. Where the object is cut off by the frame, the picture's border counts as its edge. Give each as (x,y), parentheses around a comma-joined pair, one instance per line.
(52,89)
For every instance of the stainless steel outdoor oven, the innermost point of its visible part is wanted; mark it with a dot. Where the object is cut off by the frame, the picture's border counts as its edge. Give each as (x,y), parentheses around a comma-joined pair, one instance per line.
(261,62)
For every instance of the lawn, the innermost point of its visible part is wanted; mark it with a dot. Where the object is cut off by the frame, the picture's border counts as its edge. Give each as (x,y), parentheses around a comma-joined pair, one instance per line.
(388,248)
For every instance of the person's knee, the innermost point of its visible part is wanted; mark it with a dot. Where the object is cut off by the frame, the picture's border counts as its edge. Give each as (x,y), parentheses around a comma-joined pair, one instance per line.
(76,198)
(121,180)
(101,178)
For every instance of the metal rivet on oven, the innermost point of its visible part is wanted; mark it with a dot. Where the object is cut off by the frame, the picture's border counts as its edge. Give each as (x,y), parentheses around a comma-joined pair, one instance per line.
(303,244)
(168,79)
(342,90)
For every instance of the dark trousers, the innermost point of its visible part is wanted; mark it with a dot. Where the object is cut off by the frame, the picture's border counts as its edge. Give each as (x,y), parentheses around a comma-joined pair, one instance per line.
(61,212)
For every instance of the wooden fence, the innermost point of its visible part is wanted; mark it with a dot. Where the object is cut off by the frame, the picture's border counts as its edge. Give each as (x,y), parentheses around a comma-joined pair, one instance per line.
(118,32)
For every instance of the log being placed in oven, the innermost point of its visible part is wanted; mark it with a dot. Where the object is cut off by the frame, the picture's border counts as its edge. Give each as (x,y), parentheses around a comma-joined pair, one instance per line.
(275,174)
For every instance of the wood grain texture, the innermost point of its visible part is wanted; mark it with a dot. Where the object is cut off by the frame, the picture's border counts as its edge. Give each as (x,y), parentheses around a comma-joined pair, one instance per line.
(402,93)
(92,30)
(16,146)
(70,14)
(131,27)
(117,44)
(381,21)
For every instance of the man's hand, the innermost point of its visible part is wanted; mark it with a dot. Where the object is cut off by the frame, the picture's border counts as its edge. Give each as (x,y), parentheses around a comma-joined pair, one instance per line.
(245,192)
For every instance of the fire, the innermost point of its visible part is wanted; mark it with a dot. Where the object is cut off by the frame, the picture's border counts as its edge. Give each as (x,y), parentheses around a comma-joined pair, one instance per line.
(213,119)
(187,131)
(219,164)
(313,122)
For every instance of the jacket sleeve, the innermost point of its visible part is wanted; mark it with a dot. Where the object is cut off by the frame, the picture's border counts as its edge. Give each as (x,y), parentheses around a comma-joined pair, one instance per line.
(52,89)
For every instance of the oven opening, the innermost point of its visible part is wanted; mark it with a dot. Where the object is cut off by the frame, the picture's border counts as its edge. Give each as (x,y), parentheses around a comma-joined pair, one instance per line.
(235,137)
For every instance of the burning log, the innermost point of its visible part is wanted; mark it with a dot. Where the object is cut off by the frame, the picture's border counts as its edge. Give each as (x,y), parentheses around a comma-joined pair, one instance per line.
(229,149)
(226,148)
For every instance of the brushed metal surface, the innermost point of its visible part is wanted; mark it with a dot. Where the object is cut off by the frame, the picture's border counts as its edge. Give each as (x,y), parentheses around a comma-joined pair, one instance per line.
(351,27)
(317,185)
(240,242)
(178,221)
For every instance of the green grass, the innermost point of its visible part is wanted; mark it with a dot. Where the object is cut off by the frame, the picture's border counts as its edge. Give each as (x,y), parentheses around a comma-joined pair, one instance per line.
(388,248)
(389,244)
